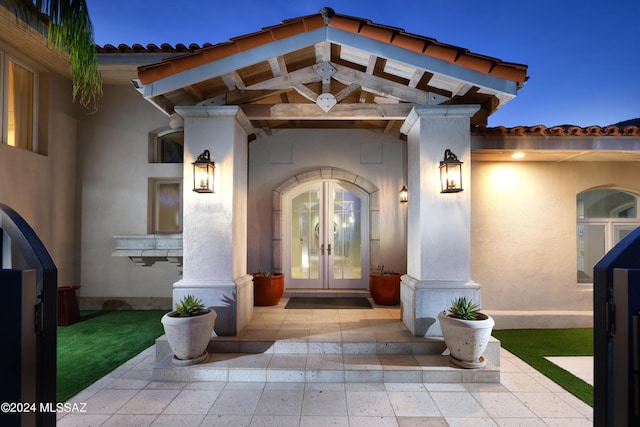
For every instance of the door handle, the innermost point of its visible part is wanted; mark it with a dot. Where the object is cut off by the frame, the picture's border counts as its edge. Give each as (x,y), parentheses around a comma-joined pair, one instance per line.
(322,249)
(329,249)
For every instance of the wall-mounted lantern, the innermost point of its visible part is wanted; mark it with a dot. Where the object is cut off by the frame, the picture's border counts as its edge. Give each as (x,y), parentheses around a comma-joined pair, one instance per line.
(450,173)
(404,194)
(203,169)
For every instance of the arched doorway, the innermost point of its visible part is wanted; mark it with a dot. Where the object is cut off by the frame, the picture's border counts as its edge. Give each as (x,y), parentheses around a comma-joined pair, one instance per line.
(325,236)
(328,227)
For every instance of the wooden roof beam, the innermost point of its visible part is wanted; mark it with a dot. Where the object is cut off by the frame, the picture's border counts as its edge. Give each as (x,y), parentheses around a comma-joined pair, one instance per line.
(323,52)
(278,66)
(386,88)
(233,81)
(302,76)
(347,91)
(338,112)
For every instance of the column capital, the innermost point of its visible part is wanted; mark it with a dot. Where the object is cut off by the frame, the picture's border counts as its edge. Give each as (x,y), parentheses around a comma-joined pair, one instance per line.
(217,112)
(437,111)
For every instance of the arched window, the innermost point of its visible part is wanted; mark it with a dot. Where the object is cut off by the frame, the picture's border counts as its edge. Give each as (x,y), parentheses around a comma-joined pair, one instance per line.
(166,146)
(604,217)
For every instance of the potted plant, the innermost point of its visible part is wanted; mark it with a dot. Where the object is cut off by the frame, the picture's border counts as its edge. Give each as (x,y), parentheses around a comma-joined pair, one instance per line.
(384,286)
(188,329)
(268,287)
(466,332)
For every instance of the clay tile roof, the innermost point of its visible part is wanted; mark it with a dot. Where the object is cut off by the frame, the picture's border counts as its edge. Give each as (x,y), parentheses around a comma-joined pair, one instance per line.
(326,17)
(563,130)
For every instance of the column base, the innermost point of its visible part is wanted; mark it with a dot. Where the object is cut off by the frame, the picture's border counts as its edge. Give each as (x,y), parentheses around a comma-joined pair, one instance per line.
(423,300)
(232,301)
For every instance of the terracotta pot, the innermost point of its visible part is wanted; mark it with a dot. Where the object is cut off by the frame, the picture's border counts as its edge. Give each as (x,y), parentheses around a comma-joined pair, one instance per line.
(189,336)
(268,290)
(466,339)
(385,289)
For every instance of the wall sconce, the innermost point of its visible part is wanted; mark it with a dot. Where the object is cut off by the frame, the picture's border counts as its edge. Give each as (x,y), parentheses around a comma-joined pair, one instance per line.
(450,173)
(203,169)
(404,194)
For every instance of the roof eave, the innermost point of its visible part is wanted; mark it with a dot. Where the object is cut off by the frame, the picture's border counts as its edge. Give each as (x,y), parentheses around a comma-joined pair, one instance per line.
(233,62)
(502,88)
(420,60)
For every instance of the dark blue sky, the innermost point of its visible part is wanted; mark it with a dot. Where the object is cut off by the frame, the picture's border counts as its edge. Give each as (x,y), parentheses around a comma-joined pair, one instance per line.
(583,56)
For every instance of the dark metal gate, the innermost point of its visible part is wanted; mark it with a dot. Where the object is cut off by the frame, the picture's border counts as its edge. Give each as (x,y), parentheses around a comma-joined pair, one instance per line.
(28,282)
(616,311)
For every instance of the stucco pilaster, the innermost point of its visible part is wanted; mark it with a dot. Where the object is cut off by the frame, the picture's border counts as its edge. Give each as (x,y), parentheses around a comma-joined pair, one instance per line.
(438,224)
(215,224)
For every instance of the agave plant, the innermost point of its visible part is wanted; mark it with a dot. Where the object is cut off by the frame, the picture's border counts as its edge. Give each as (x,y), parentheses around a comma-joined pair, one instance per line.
(190,306)
(264,273)
(463,308)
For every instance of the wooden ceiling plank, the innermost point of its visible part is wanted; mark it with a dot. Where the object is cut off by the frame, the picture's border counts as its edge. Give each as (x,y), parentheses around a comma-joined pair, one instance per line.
(163,103)
(194,93)
(246,96)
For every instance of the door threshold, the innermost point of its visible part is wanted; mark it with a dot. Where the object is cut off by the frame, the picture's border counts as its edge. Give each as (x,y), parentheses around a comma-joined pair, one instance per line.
(327,293)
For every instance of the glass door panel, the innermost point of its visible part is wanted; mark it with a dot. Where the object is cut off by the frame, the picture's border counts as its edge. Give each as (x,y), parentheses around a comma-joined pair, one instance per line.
(325,241)
(347,239)
(304,235)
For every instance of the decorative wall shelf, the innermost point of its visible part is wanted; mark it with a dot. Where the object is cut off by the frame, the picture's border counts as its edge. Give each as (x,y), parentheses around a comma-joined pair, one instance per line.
(146,250)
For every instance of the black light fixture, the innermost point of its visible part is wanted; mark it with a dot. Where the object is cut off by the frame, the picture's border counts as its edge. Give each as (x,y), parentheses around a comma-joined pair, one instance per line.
(450,173)
(203,169)
(404,194)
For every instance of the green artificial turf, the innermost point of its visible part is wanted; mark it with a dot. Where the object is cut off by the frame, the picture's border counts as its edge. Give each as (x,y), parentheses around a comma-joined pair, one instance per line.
(99,343)
(532,345)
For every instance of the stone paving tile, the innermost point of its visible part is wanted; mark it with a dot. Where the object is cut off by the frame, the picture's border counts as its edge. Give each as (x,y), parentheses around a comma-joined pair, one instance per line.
(524,398)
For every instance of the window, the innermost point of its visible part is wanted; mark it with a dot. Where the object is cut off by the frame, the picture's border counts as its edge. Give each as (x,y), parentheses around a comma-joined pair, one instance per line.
(19,105)
(166,203)
(166,146)
(604,217)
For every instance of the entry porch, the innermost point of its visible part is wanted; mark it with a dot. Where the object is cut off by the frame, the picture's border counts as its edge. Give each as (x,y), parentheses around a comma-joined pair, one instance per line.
(327,346)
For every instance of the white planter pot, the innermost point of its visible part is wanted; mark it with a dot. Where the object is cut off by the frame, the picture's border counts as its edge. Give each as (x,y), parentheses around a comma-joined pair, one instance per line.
(466,339)
(189,336)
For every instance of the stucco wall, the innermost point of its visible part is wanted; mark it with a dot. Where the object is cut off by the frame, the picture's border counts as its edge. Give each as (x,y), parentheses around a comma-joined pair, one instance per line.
(376,157)
(524,230)
(42,188)
(114,146)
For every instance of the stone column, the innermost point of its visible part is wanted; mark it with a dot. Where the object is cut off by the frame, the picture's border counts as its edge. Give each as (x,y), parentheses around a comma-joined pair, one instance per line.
(215,224)
(438,224)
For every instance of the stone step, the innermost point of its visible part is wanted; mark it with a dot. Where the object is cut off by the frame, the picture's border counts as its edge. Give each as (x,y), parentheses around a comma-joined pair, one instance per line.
(325,293)
(419,361)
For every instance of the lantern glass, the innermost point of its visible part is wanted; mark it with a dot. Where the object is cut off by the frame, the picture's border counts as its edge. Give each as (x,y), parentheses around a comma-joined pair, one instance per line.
(203,169)
(450,173)
(404,194)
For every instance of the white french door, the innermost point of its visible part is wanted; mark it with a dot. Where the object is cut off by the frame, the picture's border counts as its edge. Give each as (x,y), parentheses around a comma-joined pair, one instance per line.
(326,237)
